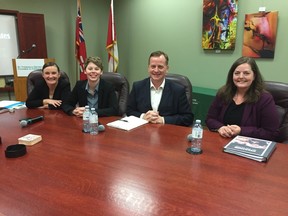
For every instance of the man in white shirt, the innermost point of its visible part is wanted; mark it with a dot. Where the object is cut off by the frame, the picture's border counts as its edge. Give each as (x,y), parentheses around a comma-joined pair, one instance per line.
(158,100)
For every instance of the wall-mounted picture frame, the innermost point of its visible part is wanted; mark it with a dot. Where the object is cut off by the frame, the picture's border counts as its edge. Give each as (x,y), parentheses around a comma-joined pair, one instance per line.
(259,36)
(219,24)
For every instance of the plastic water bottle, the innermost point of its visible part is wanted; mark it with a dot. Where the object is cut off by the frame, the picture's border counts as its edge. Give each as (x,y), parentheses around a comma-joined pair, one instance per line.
(93,121)
(86,115)
(197,135)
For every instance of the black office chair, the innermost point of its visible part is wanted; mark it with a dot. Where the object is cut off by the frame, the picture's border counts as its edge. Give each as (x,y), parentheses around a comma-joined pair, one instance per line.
(121,86)
(36,75)
(184,81)
(279,92)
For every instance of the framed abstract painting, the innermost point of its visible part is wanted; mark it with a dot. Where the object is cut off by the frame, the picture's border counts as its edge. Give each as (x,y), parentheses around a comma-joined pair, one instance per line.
(219,24)
(259,37)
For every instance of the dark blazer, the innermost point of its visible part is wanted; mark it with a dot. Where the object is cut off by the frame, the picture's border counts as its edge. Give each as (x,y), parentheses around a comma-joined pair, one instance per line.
(259,120)
(107,100)
(174,106)
(41,92)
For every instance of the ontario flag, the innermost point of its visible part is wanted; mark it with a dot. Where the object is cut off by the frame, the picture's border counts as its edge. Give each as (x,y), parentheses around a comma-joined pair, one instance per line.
(111,45)
(80,47)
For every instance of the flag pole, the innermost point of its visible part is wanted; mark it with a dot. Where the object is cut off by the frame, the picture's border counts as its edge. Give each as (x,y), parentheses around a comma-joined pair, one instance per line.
(77,75)
(111,45)
(80,46)
(113,36)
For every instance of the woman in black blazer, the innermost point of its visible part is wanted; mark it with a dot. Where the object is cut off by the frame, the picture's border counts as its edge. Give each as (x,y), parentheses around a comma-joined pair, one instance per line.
(93,91)
(51,91)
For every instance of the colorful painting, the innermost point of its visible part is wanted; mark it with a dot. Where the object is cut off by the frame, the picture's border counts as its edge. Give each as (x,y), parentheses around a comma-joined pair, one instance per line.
(259,37)
(219,24)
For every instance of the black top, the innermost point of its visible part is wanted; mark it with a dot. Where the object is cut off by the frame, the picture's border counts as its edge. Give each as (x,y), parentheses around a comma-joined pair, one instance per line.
(41,91)
(233,114)
(107,99)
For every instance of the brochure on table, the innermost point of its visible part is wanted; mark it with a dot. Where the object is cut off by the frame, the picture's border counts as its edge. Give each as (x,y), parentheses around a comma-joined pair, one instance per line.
(12,104)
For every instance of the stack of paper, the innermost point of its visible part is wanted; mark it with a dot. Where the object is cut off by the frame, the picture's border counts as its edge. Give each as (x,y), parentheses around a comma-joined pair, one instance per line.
(128,123)
(29,139)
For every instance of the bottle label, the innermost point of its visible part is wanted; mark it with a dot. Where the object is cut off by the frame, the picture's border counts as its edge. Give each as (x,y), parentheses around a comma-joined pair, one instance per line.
(197,133)
(93,119)
(85,116)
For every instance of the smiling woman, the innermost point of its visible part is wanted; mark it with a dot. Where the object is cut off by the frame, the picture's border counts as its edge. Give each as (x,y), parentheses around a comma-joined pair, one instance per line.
(94,92)
(242,106)
(50,91)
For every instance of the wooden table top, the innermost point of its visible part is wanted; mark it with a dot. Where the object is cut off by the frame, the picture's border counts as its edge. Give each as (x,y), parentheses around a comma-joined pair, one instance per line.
(145,171)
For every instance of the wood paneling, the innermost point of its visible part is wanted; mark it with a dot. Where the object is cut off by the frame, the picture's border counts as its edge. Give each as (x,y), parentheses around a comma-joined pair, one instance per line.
(31,29)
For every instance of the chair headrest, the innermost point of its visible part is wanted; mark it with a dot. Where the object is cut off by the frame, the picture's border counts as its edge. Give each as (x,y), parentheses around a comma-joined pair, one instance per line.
(279,92)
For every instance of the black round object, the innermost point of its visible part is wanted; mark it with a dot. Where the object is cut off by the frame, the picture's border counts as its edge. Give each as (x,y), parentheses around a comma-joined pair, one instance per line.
(14,151)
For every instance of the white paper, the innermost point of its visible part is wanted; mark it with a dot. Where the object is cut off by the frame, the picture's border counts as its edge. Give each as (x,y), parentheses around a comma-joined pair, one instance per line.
(12,104)
(127,123)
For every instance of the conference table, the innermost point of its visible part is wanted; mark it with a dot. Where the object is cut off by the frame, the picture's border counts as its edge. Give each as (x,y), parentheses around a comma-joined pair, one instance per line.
(145,171)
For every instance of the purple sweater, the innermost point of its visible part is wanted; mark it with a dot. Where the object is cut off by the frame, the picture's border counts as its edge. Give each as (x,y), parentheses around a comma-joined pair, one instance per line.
(259,120)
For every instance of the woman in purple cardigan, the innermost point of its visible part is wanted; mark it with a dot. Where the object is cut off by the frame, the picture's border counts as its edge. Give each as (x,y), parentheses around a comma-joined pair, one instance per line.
(242,106)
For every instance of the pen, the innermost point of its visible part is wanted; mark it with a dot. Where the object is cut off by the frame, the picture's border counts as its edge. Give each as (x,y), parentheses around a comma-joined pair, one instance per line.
(3,110)
(124,120)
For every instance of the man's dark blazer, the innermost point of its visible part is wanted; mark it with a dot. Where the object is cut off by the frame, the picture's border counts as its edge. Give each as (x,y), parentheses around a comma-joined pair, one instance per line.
(41,92)
(174,105)
(107,99)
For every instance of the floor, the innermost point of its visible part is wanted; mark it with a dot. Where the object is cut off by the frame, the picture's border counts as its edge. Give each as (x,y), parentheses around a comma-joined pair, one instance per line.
(5,96)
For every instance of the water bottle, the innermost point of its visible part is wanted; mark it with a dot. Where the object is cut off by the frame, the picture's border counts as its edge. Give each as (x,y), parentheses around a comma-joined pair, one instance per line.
(93,122)
(197,134)
(86,114)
